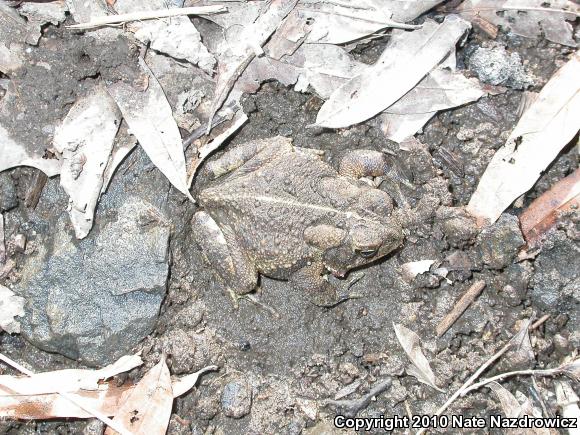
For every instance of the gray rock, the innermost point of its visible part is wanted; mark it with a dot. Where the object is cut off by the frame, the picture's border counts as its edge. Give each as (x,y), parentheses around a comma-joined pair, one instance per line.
(8,198)
(556,284)
(499,244)
(498,67)
(237,399)
(95,299)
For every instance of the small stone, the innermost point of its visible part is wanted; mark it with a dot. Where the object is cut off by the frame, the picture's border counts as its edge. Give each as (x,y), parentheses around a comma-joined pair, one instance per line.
(561,344)
(94,427)
(237,399)
(19,242)
(188,352)
(498,67)
(178,426)
(500,243)
(457,225)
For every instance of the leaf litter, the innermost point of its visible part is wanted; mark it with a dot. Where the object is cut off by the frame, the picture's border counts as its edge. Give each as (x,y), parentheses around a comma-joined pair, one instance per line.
(546,127)
(283,44)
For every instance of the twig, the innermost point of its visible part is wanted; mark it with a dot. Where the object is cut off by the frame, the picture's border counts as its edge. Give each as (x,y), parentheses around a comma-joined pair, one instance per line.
(149,15)
(532,372)
(71,398)
(540,321)
(385,23)
(2,241)
(520,8)
(460,306)
(35,190)
(352,407)
(516,341)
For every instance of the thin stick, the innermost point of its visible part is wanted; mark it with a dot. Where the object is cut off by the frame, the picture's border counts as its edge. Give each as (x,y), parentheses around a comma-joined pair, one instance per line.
(540,321)
(385,23)
(516,8)
(149,15)
(2,241)
(546,372)
(71,398)
(460,306)
(516,339)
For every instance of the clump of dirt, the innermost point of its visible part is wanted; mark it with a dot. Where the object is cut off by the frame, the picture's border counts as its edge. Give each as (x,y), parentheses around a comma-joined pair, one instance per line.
(59,71)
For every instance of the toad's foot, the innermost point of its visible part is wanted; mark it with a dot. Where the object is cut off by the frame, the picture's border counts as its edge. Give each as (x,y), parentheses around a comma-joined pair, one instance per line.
(322,293)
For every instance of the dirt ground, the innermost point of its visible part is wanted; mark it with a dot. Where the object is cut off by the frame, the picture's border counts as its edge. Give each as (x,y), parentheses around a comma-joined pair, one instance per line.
(282,357)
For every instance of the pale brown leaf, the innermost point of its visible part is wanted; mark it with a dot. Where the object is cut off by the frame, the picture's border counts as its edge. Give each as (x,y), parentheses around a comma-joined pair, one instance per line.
(85,140)
(147,408)
(366,95)
(68,380)
(150,118)
(11,306)
(529,18)
(542,214)
(544,129)
(106,399)
(420,367)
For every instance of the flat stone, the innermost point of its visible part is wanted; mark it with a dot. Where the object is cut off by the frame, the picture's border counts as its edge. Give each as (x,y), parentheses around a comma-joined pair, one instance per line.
(94,300)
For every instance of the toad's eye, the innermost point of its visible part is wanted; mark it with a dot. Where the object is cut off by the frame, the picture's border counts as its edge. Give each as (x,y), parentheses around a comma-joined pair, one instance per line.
(367,252)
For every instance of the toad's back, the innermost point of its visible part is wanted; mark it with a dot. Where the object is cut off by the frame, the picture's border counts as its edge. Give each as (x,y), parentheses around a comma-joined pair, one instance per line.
(268,207)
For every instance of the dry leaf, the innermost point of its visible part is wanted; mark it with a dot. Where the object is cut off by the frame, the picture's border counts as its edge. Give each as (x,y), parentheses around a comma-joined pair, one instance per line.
(509,404)
(414,268)
(106,399)
(366,94)
(442,89)
(10,307)
(150,119)
(13,153)
(411,344)
(544,129)
(568,402)
(529,18)
(339,23)
(176,37)
(147,408)
(85,140)
(319,66)
(69,380)
(184,384)
(542,214)
(514,408)
(247,44)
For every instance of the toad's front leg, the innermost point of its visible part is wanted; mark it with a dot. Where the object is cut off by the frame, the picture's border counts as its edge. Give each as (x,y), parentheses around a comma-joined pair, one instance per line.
(311,279)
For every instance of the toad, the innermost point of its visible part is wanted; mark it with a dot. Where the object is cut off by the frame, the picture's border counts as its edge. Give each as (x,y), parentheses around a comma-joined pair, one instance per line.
(280,211)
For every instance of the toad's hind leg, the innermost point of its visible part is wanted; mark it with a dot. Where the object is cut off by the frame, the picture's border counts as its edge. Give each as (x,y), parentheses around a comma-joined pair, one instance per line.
(369,163)
(223,252)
